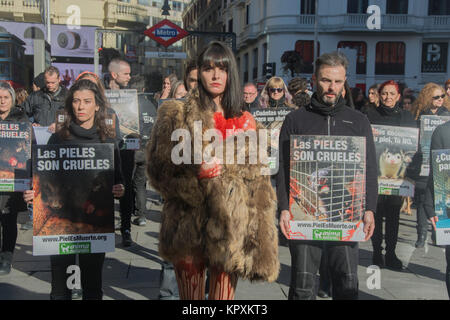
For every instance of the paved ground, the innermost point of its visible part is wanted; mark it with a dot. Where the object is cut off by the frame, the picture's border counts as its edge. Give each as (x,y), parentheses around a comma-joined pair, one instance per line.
(133,273)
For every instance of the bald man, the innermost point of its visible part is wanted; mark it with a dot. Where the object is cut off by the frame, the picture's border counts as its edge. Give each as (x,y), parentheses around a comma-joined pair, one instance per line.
(119,74)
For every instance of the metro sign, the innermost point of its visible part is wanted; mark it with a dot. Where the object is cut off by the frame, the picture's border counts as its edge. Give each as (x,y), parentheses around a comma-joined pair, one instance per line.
(166,32)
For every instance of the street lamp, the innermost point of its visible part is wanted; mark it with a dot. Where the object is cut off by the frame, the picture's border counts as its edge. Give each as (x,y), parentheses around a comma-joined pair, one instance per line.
(165,8)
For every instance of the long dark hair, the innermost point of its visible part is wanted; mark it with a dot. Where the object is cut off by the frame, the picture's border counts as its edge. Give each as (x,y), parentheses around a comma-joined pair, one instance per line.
(218,54)
(99,122)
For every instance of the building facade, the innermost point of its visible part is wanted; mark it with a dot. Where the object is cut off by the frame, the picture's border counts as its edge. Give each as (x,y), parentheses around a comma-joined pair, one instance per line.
(92,24)
(410,44)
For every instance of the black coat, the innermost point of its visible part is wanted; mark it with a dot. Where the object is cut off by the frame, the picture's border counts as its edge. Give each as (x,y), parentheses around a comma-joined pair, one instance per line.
(308,121)
(439,140)
(41,105)
(13,201)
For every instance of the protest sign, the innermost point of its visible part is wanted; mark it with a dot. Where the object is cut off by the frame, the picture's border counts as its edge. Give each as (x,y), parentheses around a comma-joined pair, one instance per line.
(395,148)
(272,119)
(327,188)
(125,104)
(73,205)
(15,156)
(441,177)
(427,126)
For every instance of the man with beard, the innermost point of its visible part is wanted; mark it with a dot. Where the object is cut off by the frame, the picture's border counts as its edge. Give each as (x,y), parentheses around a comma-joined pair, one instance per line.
(327,114)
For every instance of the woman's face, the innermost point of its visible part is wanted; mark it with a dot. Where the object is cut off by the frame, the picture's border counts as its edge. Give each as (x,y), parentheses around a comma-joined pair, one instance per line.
(437,98)
(373,96)
(389,96)
(214,80)
(6,102)
(447,89)
(166,84)
(407,104)
(180,92)
(84,108)
(276,91)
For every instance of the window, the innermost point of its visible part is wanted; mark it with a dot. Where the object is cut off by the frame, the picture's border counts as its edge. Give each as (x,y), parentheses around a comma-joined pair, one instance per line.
(264,52)
(308,7)
(247,14)
(357,6)
(144,2)
(230,25)
(397,6)
(390,58)
(434,57)
(438,7)
(255,63)
(361,54)
(245,67)
(306,50)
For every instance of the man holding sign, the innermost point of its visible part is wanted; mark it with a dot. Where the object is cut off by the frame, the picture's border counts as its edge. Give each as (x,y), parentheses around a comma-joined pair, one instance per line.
(327,115)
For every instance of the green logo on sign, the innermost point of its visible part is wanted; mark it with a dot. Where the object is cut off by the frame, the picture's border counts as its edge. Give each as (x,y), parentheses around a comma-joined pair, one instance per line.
(327,234)
(74,247)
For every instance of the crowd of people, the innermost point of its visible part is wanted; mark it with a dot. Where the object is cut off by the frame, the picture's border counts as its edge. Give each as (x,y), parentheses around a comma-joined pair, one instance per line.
(219,220)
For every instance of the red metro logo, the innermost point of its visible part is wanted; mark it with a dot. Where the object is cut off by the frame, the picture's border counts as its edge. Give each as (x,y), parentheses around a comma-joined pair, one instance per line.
(166,32)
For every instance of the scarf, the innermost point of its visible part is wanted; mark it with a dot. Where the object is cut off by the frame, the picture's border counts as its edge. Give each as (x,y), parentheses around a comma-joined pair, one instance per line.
(319,107)
(277,103)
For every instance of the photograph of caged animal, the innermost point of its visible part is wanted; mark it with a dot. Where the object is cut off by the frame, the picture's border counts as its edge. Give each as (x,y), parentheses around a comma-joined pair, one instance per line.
(393,163)
(81,199)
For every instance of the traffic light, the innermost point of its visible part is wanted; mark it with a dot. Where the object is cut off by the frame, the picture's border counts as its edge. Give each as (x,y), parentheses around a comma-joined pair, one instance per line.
(269,70)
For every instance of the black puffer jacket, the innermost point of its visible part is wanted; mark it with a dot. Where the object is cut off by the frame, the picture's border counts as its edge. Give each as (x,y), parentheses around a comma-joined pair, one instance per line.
(42,105)
(13,201)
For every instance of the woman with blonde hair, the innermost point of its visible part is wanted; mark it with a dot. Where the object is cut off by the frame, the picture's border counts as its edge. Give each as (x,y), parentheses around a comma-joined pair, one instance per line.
(276,94)
(432,100)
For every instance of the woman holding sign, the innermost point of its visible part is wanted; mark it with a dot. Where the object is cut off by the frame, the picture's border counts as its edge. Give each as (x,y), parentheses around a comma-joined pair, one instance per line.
(85,112)
(217,215)
(432,100)
(388,113)
(10,202)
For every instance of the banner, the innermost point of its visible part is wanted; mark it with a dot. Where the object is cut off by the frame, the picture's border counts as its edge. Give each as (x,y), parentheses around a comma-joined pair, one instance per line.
(441,176)
(427,126)
(327,188)
(272,119)
(125,104)
(15,156)
(73,205)
(395,148)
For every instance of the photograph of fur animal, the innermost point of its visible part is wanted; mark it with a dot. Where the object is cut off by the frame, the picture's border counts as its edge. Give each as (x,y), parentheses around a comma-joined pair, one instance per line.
(393,163)
(83,200)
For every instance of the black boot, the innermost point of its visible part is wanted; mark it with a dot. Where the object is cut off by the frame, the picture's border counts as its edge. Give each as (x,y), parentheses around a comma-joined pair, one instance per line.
(5,263)
(393,262)
(421,238)
(378,258)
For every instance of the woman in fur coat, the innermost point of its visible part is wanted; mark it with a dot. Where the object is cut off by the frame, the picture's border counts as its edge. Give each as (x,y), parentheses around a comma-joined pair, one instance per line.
(217,214)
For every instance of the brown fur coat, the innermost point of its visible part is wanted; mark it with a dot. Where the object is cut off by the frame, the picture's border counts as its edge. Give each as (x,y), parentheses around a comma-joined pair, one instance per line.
(228,220)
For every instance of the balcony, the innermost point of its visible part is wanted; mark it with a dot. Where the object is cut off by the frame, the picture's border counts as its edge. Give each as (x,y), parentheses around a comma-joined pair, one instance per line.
(18,10)
(117,12)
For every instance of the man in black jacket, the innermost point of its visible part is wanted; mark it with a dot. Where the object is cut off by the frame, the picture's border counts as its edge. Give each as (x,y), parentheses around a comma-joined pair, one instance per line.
(326,115)
(439,140)
(41,106)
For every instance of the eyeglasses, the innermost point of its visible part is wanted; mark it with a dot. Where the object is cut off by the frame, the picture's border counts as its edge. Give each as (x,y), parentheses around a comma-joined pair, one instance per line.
(437,97)
(273,90)
(249,93)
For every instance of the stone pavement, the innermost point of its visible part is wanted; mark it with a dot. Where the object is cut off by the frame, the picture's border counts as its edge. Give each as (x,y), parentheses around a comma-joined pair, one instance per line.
(133,273)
